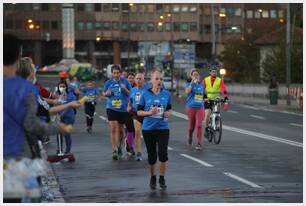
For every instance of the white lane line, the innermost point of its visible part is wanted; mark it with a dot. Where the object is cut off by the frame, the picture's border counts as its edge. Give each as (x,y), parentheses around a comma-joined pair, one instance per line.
(257,117)
(255,134)
(232,111)
(103,118)
(242,180)
(286,112)
(170,148)
(249,107)
(197,160)
(297,125)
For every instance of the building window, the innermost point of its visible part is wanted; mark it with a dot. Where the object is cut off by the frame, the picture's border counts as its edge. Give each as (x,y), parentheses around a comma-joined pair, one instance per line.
(107,7)
(36,6)
(159,8)
(141,27)
(281,14)
(249,14)
(176,26)
(273,14)
(54,7)
(124,26)
(133,8)
(142,8)
(238,12)
(45,25)
(45,7)
(151,8)
(176,8)
(125,8)
(150,27)
(257,15)
(249,30)
(54,25)
(184,8)
(265,14)
(80,25)
(89,7)
(207,11)
(193,8)
(98,25)
(116,25)
(97,7)
(107,25)
(133,26)
(167,8)
(230,11)
(168,27)
(159,28)
(89,26)
(207,28)
(115,7)
(193,26)
(80,7)
(184,27)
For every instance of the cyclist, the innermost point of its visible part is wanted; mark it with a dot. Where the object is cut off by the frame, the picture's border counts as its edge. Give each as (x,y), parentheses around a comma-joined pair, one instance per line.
(135,96)
(214,87)
(155,107)
(117,92)
(195,107)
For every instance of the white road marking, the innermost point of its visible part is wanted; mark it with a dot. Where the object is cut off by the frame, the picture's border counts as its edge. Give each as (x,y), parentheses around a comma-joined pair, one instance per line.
(103,118)
(232,111)
(249,107)
(255,134)
(286,112)
(197,160)
(297,125)
(170,148)
(242,180)
(270,110)
(257,117)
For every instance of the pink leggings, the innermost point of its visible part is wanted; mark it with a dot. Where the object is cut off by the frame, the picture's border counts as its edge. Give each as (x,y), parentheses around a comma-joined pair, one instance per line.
(195,118)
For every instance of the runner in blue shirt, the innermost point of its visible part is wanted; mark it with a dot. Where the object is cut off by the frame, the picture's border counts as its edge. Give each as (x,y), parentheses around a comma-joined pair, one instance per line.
(155,107)
(195,107)
(90,105)
(117,91)
(135,96)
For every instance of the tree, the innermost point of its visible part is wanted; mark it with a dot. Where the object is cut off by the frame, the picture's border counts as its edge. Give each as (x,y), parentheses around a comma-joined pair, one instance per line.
(241,59)
(275,63)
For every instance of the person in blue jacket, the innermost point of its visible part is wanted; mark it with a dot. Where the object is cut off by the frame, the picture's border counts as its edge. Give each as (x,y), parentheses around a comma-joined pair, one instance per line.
(155,106)
(117,91)
(67,116)
(90,105)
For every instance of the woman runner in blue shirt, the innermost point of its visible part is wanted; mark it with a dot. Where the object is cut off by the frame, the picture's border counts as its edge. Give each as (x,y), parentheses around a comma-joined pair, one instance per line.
(155,106)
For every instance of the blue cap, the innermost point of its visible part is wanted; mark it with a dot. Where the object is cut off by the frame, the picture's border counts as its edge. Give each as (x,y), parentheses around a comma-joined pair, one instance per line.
(213,68)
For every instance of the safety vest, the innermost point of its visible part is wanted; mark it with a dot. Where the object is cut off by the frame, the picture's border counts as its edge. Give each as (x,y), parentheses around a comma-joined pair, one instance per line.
(213,91)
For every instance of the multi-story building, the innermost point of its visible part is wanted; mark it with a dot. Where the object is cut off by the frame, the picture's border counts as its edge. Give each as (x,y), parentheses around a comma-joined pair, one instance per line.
(132,33)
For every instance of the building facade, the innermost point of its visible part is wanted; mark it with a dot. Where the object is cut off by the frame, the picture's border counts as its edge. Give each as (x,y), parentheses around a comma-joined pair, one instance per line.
(132,33)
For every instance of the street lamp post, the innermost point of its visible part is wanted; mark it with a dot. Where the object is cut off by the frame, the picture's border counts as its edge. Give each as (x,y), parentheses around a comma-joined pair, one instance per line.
(288,53)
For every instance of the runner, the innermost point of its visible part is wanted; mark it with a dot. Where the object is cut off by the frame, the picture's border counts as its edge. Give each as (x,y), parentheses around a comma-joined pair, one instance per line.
(195,107)
(90,105)
(135,95)
(155,107)
(131,79)
(117,92)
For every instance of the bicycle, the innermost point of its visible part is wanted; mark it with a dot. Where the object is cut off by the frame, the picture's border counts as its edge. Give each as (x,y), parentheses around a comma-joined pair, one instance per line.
(215,121)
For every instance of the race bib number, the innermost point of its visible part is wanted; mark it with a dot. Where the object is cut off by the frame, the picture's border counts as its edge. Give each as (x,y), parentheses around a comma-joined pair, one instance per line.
(160,113)
(116,103)
(198,97)
(137,97)
(91,98)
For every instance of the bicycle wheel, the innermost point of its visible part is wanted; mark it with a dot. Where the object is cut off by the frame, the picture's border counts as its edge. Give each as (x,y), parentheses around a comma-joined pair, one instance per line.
(218,131)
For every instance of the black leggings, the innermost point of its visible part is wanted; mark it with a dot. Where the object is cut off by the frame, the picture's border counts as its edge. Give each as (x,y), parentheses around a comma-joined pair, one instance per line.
(153,139)
(89,111)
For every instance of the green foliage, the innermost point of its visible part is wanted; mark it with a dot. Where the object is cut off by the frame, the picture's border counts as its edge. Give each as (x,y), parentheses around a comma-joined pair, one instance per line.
(275,63)
(241,59)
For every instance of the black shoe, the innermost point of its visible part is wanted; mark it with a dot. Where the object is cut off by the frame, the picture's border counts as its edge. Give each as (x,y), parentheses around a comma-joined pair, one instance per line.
(162,183)
(153,182)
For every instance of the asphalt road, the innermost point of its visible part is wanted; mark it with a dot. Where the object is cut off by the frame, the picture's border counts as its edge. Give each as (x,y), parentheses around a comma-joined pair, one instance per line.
(259,160)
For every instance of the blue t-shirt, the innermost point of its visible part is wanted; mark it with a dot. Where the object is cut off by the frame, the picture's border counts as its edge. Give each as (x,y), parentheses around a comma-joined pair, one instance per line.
(15,91)
(75,84)
(161,100)
(195,97)
(91,93)
(118,100)
(64,99)
(135,95)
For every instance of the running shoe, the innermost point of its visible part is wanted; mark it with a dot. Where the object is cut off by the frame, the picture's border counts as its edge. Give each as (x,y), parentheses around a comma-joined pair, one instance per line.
(198,147)
(89,129)
(138,157)
(115,155)
(153,182)
(162,183)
